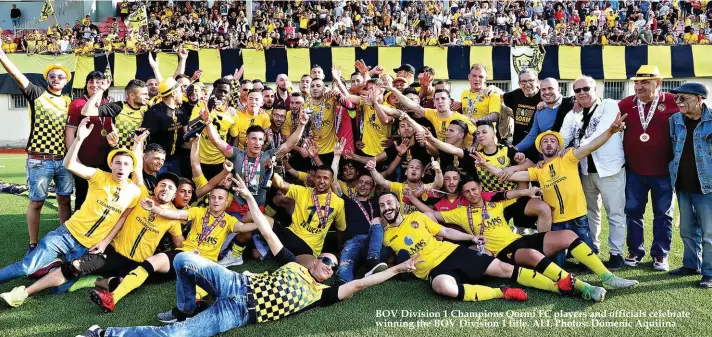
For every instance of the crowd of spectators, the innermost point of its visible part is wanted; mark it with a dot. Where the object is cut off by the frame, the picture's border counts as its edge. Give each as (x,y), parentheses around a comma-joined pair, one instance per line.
(224,24)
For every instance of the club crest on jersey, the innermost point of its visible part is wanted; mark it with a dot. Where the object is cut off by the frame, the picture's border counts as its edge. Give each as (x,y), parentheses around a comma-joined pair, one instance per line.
(414,224)
(151,217)
(661,107)
(491,204)
(500,160)
(223,223)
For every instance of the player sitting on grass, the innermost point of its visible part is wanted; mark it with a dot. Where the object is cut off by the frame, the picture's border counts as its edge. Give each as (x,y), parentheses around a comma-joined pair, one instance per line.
(488,219)
(249,299)
(110,199)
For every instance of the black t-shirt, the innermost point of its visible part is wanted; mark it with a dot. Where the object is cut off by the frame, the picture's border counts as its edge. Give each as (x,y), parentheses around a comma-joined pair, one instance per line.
(164,125)
(687,179)
(524,108)
(149,180)
(416,151)
(358,223)
(465,165)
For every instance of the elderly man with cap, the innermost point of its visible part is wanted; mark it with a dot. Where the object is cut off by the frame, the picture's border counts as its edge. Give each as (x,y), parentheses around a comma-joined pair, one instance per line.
(559,179)
(602,170)
(691,174)
(163,122)
(110,199)
(647,148)
(45,146)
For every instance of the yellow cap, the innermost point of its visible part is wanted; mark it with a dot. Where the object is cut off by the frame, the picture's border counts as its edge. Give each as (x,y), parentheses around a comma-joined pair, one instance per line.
(167,87)
(647,72)
(60,67)
(122,151)
(541,136)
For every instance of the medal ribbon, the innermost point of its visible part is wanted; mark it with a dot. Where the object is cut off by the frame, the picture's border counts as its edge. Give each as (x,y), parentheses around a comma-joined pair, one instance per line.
(323,217)
(249,175)
(470,105)
(363,209)
(484,215)
(207,229)
(645,120)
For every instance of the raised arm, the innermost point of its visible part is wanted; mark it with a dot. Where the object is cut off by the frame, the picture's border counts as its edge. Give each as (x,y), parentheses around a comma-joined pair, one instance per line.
(373,97)
(71,162)
(294,137)
(455,235)
(438,181)
(174,214)
(341,87)
(377,177)
(349,289)
(11,69)
(91,108)
(444,147)
(338,149)
(214,137)
(521,176)
(408,103)
(279,183)
(154,65)
(617,126)
(182,57)
(419,204)
(138,152)
(216,180)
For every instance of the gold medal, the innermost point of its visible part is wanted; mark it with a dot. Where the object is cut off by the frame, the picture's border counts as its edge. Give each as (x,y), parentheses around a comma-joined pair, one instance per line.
(644,137)
(104,133)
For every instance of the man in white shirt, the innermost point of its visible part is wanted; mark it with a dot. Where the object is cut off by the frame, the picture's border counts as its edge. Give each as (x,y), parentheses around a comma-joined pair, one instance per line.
(602,173)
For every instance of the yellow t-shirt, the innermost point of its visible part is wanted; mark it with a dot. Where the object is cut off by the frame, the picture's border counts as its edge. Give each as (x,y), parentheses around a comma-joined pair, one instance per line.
(560,182)
(143,231)
(303,22)
(210,247)
(501,158)
(374,131)
(224,122)
(408,208)
(441,124)
(484,105)
(323,124)
(244,120)
(106,201)
(417,234)
(305,220)
(497,231)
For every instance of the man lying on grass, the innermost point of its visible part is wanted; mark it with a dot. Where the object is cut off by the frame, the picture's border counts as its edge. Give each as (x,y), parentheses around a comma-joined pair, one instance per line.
(248,299)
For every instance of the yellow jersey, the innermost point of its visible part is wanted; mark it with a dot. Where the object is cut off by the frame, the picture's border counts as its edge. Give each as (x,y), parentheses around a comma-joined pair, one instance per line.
(374,131)
(126,122)
(106,201)
(496,228)
(407,208)
(561,185)
(323,124)
(417,234)
(441,124)
(503,157)
(143,231)
(224,122)
(476,105)
(306,220)
(209,248)
(244,120)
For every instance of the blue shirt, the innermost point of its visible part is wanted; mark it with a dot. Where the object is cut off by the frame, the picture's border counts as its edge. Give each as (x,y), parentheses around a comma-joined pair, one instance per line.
(389,40)
(543,121)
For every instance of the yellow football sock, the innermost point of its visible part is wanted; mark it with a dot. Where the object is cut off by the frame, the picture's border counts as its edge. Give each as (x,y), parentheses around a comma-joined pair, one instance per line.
(582,252)
(476,293)
(530,278)
(200,293)
(237,249)
(132,281)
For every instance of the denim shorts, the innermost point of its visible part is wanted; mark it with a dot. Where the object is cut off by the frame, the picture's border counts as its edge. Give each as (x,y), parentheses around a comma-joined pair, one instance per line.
(40,174)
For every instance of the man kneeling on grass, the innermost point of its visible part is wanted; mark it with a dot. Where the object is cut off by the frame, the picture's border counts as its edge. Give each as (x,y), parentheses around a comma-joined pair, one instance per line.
(248,299)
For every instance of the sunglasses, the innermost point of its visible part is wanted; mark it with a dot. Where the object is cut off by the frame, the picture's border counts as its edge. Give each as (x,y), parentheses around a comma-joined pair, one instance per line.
(53,76)
(328,261)
(584,89)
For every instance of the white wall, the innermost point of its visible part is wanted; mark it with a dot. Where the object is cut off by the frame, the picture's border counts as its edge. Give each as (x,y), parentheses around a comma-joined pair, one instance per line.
(15,123)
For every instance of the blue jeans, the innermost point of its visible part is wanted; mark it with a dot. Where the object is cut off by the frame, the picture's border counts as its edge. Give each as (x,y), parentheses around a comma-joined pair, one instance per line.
(55,243)
(368,245)
(580,227)
(40,174)
(229,239)
(636,199)
(696,230)
(15,22)
(228,312)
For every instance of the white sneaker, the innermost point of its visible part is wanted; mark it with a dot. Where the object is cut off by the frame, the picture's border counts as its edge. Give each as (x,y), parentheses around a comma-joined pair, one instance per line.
(229,260)
(377,269)
(661,264)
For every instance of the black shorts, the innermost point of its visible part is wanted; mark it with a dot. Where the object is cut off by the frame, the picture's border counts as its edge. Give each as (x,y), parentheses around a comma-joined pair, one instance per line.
(111,263)
(464,264)
(292,242)
(534,241)
(516,211)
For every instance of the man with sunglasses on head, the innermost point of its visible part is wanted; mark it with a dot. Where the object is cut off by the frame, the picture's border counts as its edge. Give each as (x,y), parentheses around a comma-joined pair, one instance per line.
(242,299)
(45,147)
(602,170)
(648,150)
